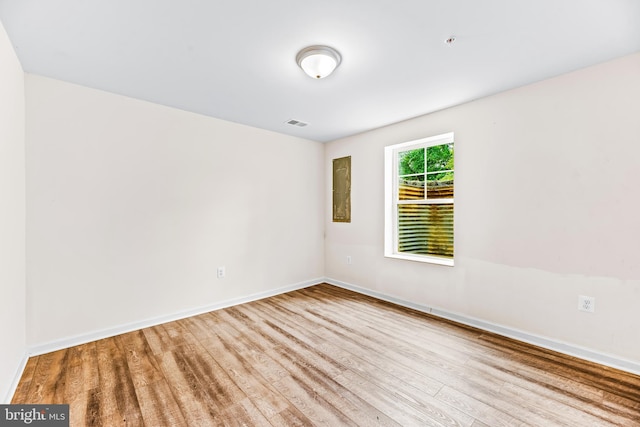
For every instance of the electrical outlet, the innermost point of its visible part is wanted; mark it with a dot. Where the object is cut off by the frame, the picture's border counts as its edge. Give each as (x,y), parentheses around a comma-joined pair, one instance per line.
(348,259)
(221,272)
(586,303)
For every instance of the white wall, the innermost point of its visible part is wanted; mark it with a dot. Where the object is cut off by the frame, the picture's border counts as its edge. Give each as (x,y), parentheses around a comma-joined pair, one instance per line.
(547,208)
(12,215)
(131,206)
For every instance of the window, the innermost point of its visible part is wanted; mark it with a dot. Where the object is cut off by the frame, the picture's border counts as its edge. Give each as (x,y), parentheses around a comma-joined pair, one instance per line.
(419,200)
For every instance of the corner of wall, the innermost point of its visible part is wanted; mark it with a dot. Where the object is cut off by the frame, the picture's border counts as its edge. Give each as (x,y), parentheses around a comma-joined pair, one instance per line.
(12,216)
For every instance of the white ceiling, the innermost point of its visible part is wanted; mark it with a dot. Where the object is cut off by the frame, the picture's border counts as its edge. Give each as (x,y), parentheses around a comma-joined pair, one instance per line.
(235,60)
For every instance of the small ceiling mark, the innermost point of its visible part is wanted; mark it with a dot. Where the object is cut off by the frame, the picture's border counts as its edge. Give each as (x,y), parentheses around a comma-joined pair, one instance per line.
(298,123)
(450,40)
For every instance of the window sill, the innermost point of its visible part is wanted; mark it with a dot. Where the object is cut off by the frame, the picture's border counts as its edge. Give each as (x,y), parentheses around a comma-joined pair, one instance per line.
(422,258)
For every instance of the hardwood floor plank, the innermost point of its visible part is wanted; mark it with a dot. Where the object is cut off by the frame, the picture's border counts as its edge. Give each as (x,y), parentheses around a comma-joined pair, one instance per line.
(378,351)
(322,407)
(49,379)
(585,398)
(88,358)
(78,416)
(158,405)
(409,331)
(477,423)
(246,377)
(547,406)
(140,358)
(157,339)
(244,413)
(82,377)
(571,367)
(117,396)
(479,410)
(325,356)
(91,410)
(22,390)
(515,372)
(197,406)
(311,331)
(314,407)
(398,408)
(430,405)
(285,342)
(288,418)
(415,387)
(215,382)
(621,405)
(317,371)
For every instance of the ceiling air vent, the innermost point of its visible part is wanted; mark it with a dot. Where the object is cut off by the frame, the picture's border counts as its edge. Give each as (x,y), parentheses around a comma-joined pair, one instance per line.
(296,123)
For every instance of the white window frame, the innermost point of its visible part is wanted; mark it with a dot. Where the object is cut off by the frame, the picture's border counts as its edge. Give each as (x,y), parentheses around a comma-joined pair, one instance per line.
(391,201)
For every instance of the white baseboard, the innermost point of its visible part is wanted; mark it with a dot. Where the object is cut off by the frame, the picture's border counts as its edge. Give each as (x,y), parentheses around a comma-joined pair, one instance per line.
(568,349)
(16,379)
(121,329)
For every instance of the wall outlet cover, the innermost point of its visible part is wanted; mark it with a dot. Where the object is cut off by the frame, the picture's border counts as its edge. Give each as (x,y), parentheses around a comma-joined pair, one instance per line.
(586,303)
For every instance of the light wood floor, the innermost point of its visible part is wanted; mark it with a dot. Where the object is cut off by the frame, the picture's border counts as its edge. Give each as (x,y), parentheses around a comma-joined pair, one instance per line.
(325,356)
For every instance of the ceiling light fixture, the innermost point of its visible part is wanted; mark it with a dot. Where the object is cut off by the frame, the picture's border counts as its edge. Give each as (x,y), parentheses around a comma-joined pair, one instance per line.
(318,61)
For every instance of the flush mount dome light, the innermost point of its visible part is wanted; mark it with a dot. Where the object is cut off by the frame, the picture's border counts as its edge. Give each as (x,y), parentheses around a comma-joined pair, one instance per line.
(318,61)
